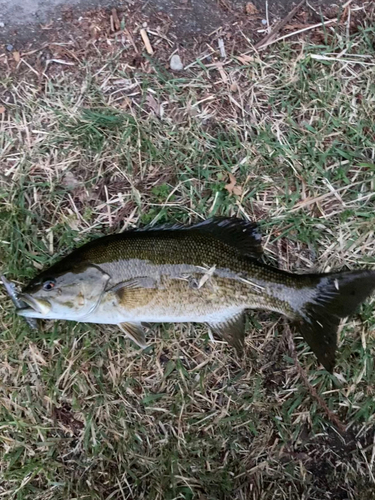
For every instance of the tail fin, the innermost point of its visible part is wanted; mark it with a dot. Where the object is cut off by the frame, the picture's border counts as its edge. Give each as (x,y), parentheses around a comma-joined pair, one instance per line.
(337,296)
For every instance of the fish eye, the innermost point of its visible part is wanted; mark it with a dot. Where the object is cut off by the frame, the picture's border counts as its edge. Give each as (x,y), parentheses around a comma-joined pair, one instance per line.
(49,284)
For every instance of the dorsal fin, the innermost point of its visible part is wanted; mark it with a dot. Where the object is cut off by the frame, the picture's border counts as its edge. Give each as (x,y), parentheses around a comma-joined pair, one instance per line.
(238,233)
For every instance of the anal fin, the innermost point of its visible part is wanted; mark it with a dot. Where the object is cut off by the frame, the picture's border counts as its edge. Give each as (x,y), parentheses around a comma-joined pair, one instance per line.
(135,332)
(232,330)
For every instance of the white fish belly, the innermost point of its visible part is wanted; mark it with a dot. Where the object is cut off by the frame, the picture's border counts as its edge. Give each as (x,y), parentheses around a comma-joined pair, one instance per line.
(116,315)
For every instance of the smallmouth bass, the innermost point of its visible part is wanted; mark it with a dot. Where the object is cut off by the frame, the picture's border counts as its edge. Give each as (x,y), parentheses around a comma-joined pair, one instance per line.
(209,273)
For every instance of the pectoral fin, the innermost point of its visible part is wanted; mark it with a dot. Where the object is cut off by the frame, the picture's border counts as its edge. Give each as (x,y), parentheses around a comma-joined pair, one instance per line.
(232,330)
(135,292)
(135,332)
(135,284)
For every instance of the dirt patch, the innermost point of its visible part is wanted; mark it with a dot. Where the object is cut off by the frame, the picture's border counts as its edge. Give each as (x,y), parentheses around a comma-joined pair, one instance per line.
(25,21)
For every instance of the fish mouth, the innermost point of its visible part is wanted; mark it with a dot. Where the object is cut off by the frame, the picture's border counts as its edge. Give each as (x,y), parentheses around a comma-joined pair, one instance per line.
(36,308)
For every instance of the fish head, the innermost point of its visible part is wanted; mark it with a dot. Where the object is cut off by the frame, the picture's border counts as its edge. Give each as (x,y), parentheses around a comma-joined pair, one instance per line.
(70,294)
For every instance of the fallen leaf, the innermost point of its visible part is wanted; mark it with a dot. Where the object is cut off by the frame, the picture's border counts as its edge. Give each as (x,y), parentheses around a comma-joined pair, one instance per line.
(2,110)
(232,187)
(229,187)
(155,106)
(250,9)
(16,56)
(296,26)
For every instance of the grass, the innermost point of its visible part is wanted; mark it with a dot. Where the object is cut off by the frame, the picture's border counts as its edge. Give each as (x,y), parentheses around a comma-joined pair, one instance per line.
(84,413)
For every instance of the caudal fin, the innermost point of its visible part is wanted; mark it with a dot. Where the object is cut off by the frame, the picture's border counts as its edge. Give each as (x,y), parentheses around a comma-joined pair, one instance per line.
(338,295)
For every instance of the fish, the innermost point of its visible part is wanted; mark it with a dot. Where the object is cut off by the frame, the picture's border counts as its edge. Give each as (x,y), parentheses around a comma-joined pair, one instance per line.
(211,272)
(13,294)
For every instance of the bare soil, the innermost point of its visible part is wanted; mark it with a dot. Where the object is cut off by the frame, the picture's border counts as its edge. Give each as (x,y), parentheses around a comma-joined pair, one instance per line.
(28,21)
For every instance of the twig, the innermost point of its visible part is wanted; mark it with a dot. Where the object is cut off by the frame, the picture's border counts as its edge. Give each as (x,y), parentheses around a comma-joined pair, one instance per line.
(222,48)
(338,59)
(320,14)
(310,201)
(313,26)
(146,41)
(30,67)
(60,61)
(198,60)
(131,39)
(323,405)
(278,26)
(116,19)
(268,18)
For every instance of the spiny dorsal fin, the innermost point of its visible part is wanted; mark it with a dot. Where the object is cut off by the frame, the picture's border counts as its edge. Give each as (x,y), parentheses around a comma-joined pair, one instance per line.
(240,234)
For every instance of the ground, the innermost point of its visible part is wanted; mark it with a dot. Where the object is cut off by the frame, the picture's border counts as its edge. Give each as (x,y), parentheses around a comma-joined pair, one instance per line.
(26,20)
(98,136)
